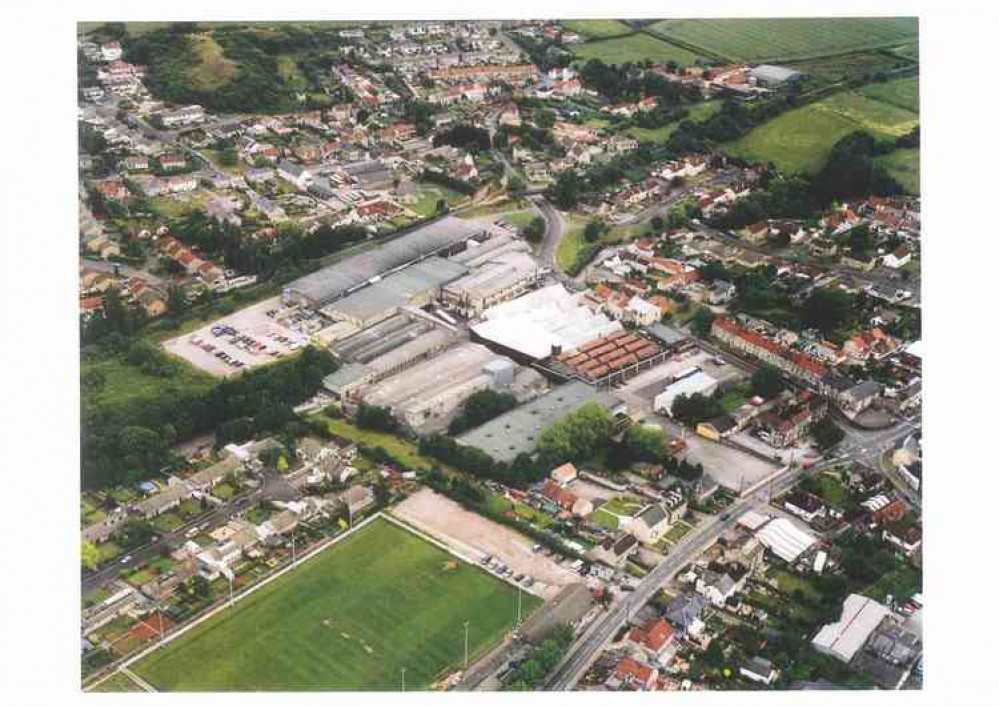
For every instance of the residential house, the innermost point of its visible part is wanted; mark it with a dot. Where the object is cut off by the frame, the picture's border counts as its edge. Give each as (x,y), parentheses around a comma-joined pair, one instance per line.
(653,638)
(630,674)
(759,670)
(614,551)
(564,474)
(721,583)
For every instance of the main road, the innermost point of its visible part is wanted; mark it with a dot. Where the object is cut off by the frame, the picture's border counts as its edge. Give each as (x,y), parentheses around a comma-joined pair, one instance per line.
(588,646)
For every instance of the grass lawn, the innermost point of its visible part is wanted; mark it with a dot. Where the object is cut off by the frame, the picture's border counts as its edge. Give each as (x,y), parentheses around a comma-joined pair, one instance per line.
(677,532)
(429,194)
(786,38)
(125,384)
(400,448)
(635,48)
(788,583)
(734,398)
(349,618)
(605,519)
(223,491)
(697,113)
(903,166)
(290,73)
(901,93)
(117,683)
(831,69)
(903,582)
(800,139)
(595,29)
(622,506)
(167,522)
(108,551)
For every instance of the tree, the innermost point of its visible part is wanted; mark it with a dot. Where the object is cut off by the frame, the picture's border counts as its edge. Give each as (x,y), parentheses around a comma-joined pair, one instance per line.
(534,230)
(201,586)
(577,436)
(696,408)
(594,229)
(544,119)
(479,408)
(766,382)
(701,321)
(228,157)
(647,443)
(90,555)
(826,433)
(515,185)
(657,223)
(377,418)
(827,310)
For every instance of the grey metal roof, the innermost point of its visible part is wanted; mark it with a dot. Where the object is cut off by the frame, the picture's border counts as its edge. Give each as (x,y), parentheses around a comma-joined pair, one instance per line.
(774,74)
(334,281)
(517,431)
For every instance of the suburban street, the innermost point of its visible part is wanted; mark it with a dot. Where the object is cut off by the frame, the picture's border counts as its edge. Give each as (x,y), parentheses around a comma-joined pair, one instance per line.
(585,650)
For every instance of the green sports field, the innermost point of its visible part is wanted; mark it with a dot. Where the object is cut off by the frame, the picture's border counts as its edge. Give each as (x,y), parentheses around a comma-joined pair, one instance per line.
(800,139)
(786,38)
(350,618)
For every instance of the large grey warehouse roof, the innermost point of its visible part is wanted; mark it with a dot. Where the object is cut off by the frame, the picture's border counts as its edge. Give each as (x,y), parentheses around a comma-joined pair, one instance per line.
(517,431)
(398,288)
(331,282)
(773,74)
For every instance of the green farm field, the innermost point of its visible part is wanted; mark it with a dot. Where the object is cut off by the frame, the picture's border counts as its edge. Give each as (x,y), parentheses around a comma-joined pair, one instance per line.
(596,29)
(349,618)
(635,47)
(787,38)
(903,166)
(901,93)
(800,139)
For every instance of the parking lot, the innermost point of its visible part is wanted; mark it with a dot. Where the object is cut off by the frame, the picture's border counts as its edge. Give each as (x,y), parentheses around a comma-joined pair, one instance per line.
(256,335)
(641,390)
(476,537)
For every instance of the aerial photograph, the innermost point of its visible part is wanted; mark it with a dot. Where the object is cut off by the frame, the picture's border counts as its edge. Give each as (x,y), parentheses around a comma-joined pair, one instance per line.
(498,355)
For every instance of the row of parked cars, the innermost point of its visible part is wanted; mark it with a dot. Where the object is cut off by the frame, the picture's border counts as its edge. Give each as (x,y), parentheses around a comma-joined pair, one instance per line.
(503,571)
(221,355)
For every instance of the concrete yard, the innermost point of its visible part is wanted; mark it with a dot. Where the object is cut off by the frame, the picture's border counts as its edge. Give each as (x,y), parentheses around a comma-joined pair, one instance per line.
(251,321)
(732,468)
(641,390)
(474,536)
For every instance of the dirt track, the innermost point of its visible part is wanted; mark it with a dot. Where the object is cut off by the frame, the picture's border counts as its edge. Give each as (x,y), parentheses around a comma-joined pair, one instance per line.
(474,536)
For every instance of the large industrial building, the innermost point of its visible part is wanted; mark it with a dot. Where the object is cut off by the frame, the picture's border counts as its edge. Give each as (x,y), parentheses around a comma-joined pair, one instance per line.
(501,269)
(547,321)
(414,286)
(392,345)
(443,237)
(516,432)
(425,395)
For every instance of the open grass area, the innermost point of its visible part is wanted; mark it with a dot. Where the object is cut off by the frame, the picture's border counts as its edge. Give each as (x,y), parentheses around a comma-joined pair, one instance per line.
(122,383)
(831,69)
(697,112)
(901,93)
(212,68)
(735,398)
(774,39)
(290,73)
(573,248)
(117,683)
(901,583)
(350,618)
(399,448)
(607,520)
(596,29)
(800,139)
(903,165)
(635,48)
(429,194)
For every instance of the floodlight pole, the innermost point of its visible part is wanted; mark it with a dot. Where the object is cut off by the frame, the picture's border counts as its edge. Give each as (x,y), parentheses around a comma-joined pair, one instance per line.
(231,601)
(294,558)
(403,678)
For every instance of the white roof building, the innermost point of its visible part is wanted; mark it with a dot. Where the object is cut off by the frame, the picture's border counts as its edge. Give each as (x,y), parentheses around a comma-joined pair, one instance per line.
(548,318)
(698,383)
(842,639)
(785,539)
(752,520)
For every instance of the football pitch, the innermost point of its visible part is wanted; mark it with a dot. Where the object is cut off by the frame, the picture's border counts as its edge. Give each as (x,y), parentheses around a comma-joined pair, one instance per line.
(351,618)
